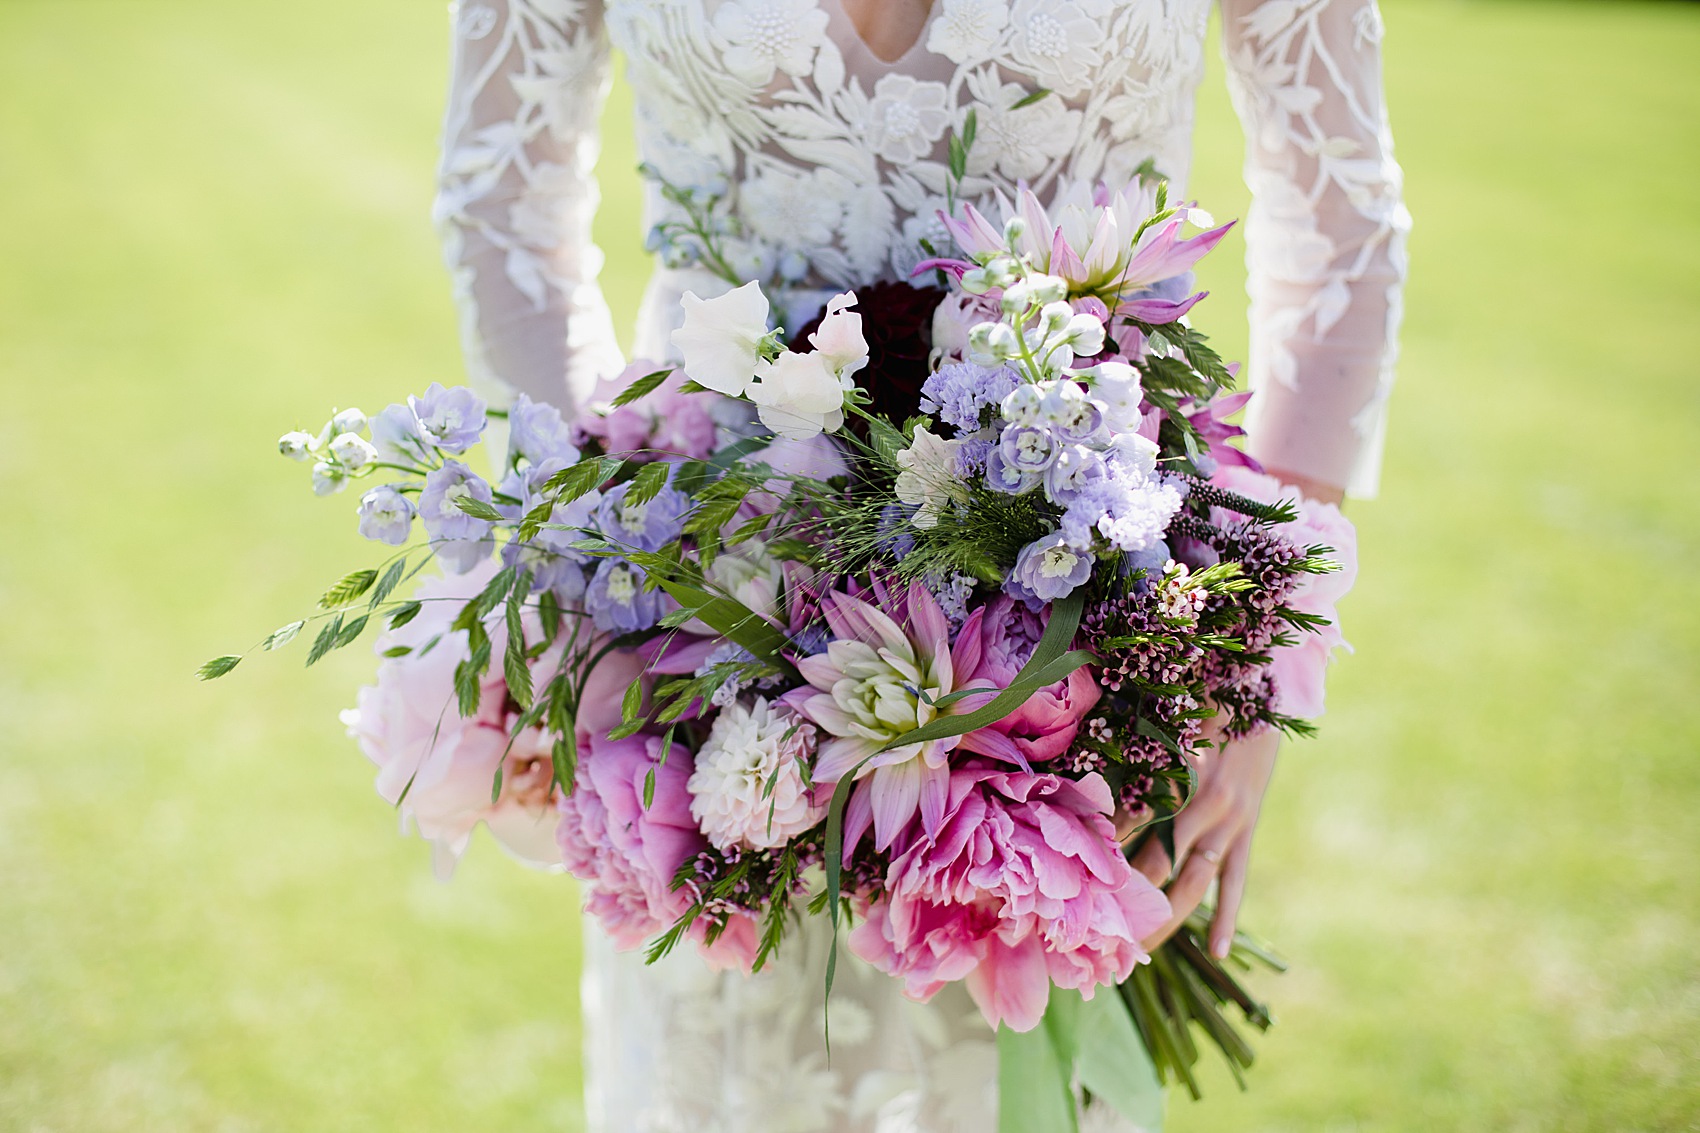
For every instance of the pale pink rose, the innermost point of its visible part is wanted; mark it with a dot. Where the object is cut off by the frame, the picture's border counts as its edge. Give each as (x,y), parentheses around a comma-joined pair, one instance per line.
(628,854)
(1022,886)
(665,420)
(1300,671)
(1045,725)
(409,726)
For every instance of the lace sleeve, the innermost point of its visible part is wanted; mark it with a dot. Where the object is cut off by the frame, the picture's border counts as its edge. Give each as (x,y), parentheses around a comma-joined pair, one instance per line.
(516,193)
(1325,239)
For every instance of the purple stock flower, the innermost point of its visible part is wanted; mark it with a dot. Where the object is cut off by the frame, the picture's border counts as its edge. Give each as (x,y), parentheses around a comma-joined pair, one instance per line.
(960,393)
(971,457)
(1132,515)
(451,419)
(1048,569)
(617,601)
(648,526)
(386,516)
(537,433)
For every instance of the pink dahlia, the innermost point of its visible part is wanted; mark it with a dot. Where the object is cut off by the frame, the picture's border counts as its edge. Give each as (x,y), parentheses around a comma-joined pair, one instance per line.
(1021,886)
(1045,725)
(628,854)
(434,766)
(878,679)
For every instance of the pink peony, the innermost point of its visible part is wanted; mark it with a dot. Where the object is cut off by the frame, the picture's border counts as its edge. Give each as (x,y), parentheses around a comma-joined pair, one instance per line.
(1043,727)
(628,855)
(665,420)
(1300,671)
(408,724)
(1023,885)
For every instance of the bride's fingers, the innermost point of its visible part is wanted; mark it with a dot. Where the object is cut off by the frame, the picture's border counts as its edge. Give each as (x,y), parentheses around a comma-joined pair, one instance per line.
(1187,890)
(1201,816)
(1152,861)
(1229,895)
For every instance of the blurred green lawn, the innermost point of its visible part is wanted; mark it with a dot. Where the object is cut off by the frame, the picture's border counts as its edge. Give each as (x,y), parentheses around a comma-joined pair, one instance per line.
(214,225)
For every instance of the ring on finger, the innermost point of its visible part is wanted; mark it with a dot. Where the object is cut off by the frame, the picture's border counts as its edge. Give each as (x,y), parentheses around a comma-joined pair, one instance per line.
(1214,857)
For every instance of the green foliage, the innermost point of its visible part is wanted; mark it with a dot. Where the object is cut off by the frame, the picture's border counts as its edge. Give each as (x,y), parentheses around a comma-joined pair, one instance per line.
(352,586)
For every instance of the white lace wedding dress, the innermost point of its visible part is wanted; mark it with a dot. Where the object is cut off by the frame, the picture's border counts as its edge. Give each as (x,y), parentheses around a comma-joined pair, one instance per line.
(834,162)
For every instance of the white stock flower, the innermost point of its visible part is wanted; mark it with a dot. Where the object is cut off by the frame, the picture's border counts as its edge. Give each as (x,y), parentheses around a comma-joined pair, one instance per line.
(799,396)
(928,480)
(748,790)
(720,340)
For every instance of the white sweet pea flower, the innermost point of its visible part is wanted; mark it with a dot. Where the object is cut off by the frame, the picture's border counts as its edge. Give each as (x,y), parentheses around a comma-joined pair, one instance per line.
(798,396)
(928,480)
(839,339)
(721,338)
(349,421)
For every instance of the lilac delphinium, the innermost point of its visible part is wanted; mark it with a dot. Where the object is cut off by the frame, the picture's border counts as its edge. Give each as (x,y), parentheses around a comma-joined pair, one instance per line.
(1048,569)
(451,419)
(960,393)
(537,433)
(386,516)
(1075,469)
(648,526)
(459,540)
(1073,415)
(1003,477)
(617,601)
(549,555)
(1027,448)
(397,436)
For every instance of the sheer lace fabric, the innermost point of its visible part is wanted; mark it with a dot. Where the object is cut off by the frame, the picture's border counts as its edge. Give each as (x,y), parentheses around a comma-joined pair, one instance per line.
(833,162)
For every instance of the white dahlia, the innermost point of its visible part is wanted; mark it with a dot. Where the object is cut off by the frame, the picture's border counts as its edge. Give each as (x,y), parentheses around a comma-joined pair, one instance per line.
(749,748)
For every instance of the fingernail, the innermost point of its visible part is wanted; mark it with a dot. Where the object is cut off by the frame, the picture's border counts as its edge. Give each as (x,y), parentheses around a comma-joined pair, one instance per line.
(1219,949)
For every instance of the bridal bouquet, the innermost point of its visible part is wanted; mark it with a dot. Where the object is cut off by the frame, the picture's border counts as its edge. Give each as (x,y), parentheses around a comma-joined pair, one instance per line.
(912,617)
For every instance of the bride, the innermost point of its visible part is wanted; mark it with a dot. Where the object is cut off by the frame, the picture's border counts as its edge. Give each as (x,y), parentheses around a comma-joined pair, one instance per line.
(824,126)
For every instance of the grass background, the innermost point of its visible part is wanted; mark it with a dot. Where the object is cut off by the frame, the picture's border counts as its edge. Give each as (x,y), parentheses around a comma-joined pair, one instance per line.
(213,225)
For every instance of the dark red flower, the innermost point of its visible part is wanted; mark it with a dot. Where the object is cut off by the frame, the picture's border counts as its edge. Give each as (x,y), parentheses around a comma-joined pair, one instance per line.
(897,321)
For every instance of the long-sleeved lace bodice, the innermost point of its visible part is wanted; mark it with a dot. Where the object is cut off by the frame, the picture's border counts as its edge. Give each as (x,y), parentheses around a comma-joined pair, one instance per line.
(833,162)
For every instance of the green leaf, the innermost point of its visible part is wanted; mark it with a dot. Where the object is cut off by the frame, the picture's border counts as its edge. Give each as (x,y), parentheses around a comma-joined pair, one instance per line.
(326,641)
(565,757)
(647,484)
(835,878)
(641,388)
(734,620)
(218,666)
(281,636)
(514,668)
(649,788)
(405,613)
(1051,662)
(1112,1061)
(958,158)
(570,483)
(1035,1093)
(631,705)
(970,129)
(388,583)
(478,509)
(398,651)
(351,587)
(1029,100)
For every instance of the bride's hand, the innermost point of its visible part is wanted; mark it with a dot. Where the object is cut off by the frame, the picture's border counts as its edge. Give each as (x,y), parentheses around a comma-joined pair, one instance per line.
(1213,836)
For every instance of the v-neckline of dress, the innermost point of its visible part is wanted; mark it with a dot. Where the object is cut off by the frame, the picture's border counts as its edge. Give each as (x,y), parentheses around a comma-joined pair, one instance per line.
(839,13)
